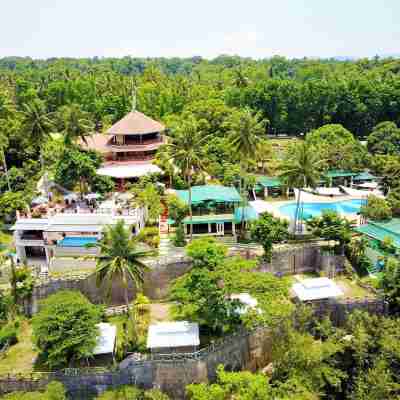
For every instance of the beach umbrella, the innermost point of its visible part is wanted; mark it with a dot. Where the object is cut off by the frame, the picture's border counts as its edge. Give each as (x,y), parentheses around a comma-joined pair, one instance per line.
(40,200)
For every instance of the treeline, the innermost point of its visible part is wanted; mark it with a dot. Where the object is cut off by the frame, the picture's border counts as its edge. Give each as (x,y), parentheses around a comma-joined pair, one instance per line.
(295,96)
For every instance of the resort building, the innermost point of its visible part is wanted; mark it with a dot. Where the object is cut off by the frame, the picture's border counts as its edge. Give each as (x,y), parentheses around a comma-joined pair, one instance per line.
(38,240)
(216,210)
(173,337)
(129,147)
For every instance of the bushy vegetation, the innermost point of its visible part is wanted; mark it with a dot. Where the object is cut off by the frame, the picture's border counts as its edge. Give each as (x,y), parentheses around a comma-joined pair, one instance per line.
(376,209)
(64,330)
(54,391)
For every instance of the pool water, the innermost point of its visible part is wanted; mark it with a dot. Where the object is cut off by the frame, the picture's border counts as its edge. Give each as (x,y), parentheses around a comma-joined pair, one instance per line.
(72,241)
(311,210)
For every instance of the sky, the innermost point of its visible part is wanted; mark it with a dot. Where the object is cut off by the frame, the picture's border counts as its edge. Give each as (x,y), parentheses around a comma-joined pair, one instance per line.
(207,28)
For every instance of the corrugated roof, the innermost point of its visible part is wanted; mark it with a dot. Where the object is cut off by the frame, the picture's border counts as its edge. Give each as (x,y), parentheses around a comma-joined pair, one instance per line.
(173,334)
(364,176)
(380,230)
(316,289)
(340,173)
(135,123)
(269,181)
(217,193)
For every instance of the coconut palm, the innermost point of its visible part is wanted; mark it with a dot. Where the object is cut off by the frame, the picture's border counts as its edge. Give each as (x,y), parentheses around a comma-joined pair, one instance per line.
(186,151)
(301,169)
(245,131)
(120,259)
(37,121)
(75,123)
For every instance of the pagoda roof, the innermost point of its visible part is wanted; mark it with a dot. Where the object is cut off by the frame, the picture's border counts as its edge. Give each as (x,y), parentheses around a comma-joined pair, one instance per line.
(135,123)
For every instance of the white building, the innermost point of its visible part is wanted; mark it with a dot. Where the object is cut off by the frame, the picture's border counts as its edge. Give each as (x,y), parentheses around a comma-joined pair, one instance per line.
(316,289)
(65,234)
(177,336)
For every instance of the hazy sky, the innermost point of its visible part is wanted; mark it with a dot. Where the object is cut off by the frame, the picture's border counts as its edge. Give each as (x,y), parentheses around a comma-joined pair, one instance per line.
(256,28)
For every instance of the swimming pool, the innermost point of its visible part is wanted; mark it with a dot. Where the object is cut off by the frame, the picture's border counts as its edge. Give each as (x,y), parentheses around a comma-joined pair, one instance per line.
(311,210)
(75,241)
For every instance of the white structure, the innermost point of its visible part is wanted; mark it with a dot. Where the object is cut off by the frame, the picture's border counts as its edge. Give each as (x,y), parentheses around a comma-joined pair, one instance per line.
(316,289)
(248,301)
(178,336)
(106,340)
(66,234)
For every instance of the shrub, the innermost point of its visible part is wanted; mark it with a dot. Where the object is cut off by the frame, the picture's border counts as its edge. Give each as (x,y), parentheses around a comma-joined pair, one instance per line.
(376,209)
(65,328)
(150,236)
(54,391)
(8,334)
(206,252)
(121,393)
(179,237)
(387,244)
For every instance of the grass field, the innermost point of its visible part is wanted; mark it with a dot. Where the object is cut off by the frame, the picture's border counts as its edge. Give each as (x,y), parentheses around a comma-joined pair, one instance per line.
(20,358)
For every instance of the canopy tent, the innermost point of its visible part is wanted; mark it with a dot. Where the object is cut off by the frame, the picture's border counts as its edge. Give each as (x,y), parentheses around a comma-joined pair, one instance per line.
(368,185)
(216,193)
(128,171)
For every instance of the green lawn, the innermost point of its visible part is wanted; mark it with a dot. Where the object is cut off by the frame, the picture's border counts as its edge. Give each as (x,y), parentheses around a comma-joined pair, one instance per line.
(20,358)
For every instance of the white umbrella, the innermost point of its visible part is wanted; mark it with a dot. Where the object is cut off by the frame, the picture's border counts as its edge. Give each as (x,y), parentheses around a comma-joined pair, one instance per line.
(40,200)
(93,196)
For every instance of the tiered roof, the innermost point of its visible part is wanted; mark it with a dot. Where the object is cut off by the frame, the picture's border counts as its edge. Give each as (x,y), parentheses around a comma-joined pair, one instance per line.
(135,123)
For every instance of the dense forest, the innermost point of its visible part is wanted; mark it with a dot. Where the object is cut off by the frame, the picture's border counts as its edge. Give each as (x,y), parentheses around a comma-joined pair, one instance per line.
(40,99)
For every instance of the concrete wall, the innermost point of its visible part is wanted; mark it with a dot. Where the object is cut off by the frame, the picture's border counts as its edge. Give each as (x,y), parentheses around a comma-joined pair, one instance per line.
(247,351)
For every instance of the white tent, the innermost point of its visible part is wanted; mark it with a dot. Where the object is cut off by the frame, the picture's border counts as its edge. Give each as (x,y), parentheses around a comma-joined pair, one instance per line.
(316,289)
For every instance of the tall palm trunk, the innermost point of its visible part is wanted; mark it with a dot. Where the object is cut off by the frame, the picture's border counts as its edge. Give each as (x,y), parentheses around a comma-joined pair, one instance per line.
(296,215)
(6,169)
(190,206)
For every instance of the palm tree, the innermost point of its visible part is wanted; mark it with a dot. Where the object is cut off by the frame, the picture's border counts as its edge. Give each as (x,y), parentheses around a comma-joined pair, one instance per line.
(37,121)
(301,169)
(120,259)
(75,124)
(245,131)
(186,149)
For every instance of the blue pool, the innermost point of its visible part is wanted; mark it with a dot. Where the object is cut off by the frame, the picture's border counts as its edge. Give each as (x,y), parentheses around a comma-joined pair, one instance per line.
(315,209)
(73,241)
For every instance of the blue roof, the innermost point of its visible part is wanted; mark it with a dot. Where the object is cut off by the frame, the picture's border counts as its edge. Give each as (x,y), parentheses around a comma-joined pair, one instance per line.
(216,193)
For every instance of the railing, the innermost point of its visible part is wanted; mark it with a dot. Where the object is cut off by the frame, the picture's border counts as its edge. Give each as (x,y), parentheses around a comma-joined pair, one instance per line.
(137,145)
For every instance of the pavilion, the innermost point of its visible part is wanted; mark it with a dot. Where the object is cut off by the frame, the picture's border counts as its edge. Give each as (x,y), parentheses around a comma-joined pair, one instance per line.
(216,210)
(129,147)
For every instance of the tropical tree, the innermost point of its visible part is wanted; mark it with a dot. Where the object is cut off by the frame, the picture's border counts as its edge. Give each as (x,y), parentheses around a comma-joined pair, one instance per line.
(75,123)
(245,132)
(300,169)
(37,121)
(186,149)
(120,259)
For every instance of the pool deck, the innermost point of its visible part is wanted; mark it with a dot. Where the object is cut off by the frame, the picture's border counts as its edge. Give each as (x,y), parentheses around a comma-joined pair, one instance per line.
(306,197)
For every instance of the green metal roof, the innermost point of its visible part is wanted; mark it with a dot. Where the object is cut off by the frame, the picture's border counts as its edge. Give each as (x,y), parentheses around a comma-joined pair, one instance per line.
(216,193)
(339,173)
(269,181)
(380,230)
(209,219)
(364,176)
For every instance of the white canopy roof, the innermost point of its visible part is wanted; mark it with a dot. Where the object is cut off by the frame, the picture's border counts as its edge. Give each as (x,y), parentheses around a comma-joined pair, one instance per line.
(128,171)
(316,289)
(173,334)
(30,224)
(106,340)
